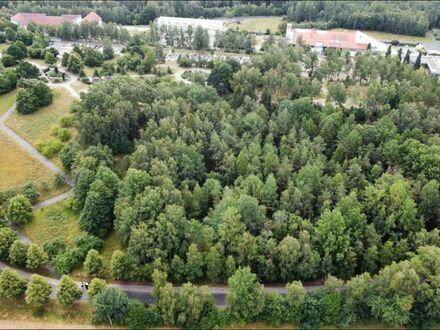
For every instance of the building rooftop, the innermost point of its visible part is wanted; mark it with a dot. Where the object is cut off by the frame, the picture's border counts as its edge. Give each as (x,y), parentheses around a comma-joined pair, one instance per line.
(329,39)
(433,63)
(24,19)
(92,17)
(43,19)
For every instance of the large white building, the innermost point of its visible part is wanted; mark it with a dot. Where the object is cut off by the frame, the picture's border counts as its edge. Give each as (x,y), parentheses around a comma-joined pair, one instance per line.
(184,23)
(181,23)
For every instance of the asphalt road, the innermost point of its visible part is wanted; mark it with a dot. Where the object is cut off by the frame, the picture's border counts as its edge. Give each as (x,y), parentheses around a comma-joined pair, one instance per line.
(142,292)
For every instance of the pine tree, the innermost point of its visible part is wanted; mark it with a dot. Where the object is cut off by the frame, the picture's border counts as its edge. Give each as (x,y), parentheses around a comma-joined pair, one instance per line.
(388,53)
(418,61)
(406,58)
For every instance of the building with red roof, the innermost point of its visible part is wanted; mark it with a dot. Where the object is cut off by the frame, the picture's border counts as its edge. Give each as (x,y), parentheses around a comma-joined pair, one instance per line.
(326,39)
(93,17)
(351,40)
(23,19)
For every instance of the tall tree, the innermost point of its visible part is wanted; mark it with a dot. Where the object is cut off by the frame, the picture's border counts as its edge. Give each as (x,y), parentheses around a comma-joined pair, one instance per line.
(245,297)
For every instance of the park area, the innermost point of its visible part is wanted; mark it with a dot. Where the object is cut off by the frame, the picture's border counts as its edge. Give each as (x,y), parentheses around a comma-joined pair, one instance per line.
(256,24)
(37,126)
(18,168)
(59,221)
(7,100)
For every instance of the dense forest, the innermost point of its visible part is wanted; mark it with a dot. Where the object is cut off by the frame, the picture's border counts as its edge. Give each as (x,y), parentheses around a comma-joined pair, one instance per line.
(249,171)
(288,168)
(403,17)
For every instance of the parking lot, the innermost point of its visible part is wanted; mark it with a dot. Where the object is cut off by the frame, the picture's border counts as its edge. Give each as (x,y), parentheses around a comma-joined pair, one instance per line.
(67,46)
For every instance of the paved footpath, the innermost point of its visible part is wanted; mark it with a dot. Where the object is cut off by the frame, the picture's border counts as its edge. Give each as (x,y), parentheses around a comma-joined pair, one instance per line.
(140,291)
(144,292)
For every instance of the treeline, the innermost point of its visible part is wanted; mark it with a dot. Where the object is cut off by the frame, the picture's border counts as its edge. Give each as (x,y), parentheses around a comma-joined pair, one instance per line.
(143,12)
(401,294)
(402,17)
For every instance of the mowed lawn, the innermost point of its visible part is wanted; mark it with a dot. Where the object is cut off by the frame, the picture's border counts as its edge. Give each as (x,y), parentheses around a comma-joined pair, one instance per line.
(7,100)
(53,221)
(260,24)
(17,167)
(37,126)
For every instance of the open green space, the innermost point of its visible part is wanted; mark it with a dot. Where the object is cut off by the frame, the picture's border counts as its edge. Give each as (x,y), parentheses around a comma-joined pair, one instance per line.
(58,221)
(53,221)
(260,24)
(53,313)
(89,71)
(7,100)
(111,244)
(17,167)
(37,126)
(79,86)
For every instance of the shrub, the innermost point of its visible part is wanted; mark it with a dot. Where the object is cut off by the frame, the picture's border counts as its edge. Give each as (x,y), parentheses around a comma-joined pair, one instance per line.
(275,310)
(137,317)
(93,263)
(7,238)
(67,291)
(70,259)
(36,257)
(54,247)
(86,242)
(12,286)
(66,121)
(18,253)
(38,291)
(50,148)
(68,155)
(95,287)
(8,61)
(19,210)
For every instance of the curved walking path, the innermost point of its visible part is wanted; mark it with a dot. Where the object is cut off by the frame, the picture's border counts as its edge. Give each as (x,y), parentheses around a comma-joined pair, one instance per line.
(142,292)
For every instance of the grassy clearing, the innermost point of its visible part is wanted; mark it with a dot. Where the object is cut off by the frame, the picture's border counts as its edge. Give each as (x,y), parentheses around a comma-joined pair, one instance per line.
(37,126)
(17,167)
(79,86)
(111,244)
(89,71)
(53,221)
(260,24)
(79,313)
(385,36)
(7,100)
(58,221)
